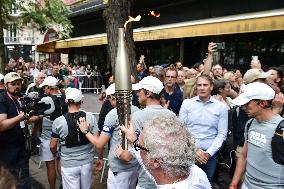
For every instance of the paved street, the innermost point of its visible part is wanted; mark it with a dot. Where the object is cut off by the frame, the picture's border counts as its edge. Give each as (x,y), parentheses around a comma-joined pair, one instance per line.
(38,174)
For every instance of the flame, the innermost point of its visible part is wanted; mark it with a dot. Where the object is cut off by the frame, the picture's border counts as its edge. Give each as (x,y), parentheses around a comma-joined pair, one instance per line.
(155,14)
(138,18)
(131,19)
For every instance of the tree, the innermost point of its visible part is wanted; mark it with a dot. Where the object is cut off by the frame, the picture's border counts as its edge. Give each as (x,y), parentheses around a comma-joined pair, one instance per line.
(40,14)
(115,15)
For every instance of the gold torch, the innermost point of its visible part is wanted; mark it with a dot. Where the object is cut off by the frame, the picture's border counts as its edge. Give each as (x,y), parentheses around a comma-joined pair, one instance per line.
(122,84)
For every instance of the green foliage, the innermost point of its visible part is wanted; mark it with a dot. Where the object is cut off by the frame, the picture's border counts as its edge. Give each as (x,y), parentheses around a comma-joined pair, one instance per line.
(6,7)
(47,14)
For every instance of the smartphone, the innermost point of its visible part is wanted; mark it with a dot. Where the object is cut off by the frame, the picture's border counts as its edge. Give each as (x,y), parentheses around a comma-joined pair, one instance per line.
(255,58)
(220,46)
(103,87)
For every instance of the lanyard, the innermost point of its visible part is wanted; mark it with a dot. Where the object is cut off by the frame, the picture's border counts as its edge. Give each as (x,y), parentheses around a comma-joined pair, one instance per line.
(12,98)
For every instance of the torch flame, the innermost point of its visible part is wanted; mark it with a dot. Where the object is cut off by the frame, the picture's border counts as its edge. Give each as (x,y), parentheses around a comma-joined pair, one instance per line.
(155,14)
(138,18)
(131,19)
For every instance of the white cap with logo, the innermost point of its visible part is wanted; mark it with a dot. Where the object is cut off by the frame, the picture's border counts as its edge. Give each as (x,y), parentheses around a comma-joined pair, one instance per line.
(12,76)
(73,94)
(254,91)
(151,84)
(49,81)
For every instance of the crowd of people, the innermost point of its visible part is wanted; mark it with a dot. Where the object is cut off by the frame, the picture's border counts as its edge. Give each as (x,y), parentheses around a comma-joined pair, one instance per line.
(71,75)
(187,125)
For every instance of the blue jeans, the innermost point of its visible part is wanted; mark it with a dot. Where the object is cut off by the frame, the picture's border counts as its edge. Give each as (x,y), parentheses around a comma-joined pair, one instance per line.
(210,167)
(17,161)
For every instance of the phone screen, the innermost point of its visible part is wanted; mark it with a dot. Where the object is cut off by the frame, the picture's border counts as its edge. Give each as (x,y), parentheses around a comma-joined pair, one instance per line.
(255,58)
(220,46)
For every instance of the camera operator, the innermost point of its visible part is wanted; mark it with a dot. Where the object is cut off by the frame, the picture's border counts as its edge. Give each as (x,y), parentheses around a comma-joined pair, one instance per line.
(12,140)
(57,108)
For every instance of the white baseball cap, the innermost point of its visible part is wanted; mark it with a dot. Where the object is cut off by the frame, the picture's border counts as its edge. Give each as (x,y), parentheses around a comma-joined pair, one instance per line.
(111,89)
(49,81)
(150,83)
(1,78)
(254,91)
(73,94)
(12,76)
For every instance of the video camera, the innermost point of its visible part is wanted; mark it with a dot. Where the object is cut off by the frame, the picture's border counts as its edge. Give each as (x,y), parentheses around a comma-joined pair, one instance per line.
(32,106)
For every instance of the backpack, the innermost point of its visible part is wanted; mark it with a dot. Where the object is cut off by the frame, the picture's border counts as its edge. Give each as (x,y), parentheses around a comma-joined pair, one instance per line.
(277,143)
(74,137)
(61,106)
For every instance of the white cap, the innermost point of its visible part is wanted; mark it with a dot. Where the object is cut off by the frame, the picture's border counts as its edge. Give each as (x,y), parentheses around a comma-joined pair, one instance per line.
(12,76)
(111,89)
(73,94)
(150,83)
(49,81)
(1,78)
(254,91)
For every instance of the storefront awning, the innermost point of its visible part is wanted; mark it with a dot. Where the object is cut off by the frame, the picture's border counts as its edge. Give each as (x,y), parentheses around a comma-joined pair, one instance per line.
(245,23)
(48,47)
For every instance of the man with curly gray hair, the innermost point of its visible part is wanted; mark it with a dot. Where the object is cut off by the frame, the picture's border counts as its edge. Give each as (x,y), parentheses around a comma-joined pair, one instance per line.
(168,152)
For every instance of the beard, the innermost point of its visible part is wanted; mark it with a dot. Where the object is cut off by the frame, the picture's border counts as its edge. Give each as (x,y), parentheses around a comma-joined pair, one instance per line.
(15,93)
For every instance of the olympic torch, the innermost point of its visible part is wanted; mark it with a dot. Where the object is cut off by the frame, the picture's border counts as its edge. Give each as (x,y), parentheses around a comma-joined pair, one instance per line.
(122,84)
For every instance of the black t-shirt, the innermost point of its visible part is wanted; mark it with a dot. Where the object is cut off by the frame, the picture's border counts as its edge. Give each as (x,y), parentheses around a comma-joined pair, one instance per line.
(13,137)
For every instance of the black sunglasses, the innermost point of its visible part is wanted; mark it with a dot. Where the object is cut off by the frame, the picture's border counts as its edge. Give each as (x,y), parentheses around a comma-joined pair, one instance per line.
(109,97)
(139,147)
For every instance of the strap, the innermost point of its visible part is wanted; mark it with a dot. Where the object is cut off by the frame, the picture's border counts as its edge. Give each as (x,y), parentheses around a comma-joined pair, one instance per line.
(248,126)
(280,127)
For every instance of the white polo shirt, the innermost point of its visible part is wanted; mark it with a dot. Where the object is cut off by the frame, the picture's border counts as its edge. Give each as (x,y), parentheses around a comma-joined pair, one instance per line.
(196,180)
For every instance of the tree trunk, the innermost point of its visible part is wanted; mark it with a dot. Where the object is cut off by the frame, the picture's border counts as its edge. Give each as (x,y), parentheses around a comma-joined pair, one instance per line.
(115,15)
(2,47)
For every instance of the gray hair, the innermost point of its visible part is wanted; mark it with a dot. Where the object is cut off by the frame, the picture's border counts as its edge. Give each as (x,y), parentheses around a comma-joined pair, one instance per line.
(171,144)
(159,72)
(37,75)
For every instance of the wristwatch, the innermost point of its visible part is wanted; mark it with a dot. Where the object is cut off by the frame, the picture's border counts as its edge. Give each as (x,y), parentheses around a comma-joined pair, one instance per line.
(86,131)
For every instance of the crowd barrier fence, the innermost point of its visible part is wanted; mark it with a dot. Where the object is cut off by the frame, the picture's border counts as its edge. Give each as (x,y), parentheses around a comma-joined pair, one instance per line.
(89,83)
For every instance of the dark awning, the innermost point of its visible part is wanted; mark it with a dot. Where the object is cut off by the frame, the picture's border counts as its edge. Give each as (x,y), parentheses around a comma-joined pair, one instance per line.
(245,23)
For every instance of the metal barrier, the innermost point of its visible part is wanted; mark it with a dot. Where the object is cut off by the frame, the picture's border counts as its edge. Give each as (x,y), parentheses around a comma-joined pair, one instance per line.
(87,82)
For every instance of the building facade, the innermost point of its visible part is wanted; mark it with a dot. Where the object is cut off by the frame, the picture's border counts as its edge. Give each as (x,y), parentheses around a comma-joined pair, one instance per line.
(21,41)
(183,31)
